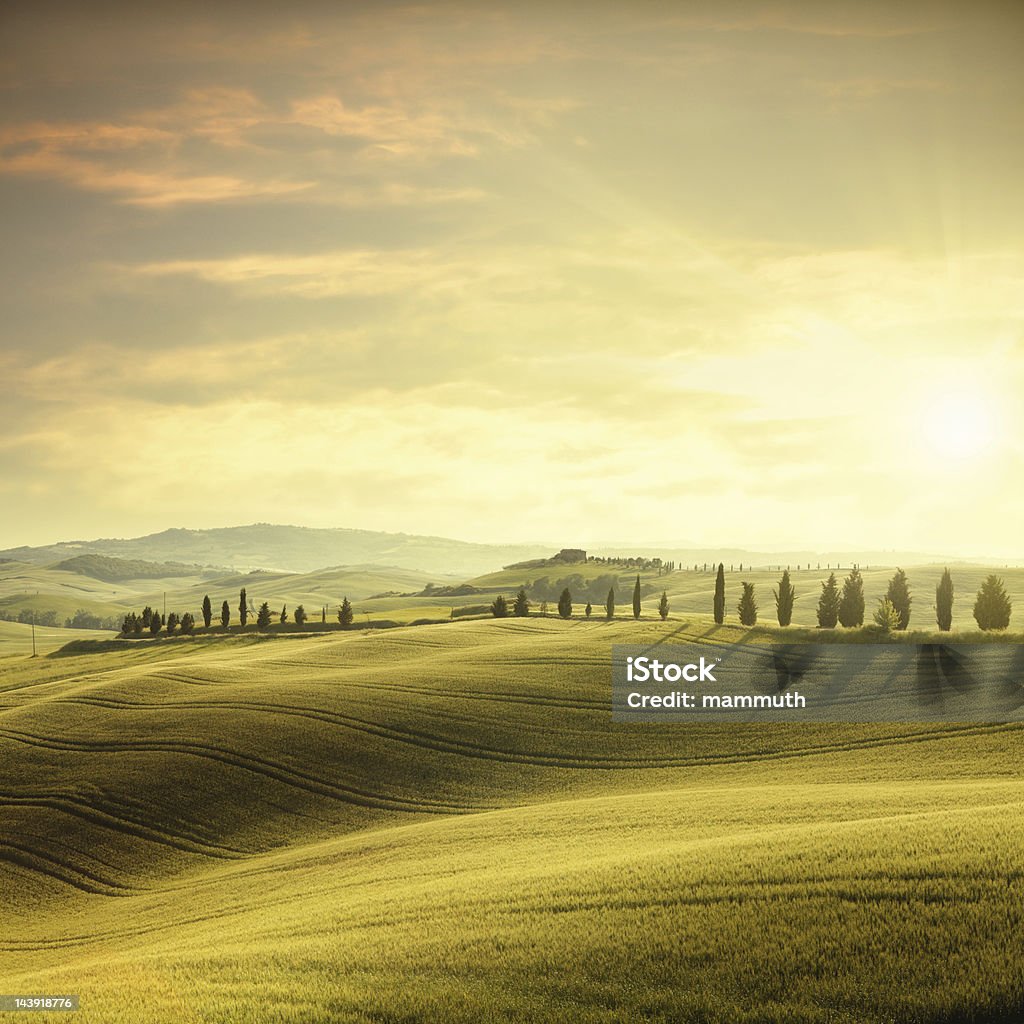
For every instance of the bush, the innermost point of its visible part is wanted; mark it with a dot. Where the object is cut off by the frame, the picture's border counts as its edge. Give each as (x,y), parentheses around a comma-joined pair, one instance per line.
(886,617)
(565,604)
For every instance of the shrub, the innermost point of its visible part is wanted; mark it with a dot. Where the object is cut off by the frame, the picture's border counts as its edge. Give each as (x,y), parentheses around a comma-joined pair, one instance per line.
(886,617)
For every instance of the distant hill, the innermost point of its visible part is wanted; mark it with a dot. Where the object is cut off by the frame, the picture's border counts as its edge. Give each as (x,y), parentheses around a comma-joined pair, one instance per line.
(292,549)
(115,570)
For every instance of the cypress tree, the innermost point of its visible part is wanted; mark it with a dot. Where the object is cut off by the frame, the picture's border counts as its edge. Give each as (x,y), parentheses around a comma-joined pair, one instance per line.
(345,613)
(828,603)
(609,605)
(719,606)
(944,602)
(899,594)
(499,607)
(207,611)
(284,614)
(225,615)
(851,603)
(263,617)
(243,608)
(522,605)
(589,610)
(748,606)
(565,604)
(784,598)
(300,616)
(992,607)
(636,598)
(663,605)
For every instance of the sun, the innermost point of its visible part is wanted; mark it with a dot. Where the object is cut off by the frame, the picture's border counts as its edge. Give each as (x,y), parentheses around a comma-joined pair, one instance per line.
(960,424)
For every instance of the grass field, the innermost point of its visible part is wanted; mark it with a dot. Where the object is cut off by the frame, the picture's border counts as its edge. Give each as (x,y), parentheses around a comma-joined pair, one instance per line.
(16,638)
(443,823)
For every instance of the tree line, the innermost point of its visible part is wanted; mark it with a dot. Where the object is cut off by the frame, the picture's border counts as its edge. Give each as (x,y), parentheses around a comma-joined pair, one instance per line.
(838,605)
(521,606)
(151,621)
(845,606)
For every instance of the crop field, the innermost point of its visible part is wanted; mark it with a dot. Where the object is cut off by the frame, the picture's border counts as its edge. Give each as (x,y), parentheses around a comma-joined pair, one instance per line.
(443,823)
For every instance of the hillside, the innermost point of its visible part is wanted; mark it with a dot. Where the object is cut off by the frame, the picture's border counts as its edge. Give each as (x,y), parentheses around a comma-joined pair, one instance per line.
(118,570)
(292,549)
(444,823)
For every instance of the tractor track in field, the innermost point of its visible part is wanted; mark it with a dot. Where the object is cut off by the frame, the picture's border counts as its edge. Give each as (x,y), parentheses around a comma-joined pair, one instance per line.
(247,762)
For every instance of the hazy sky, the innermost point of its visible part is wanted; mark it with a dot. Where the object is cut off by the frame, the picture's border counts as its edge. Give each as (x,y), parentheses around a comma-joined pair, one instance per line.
(746,275)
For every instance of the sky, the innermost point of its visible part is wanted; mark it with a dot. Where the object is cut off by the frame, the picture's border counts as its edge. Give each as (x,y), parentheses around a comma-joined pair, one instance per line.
(745,274)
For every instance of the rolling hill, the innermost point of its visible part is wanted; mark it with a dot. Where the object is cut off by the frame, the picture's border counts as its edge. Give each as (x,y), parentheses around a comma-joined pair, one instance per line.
(443,823)
(292,549)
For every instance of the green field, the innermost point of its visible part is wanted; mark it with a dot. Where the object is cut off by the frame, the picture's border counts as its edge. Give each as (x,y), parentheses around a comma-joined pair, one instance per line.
(442,823)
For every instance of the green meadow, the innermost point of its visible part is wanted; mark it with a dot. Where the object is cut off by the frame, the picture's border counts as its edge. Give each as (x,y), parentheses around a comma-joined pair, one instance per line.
(442,823)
